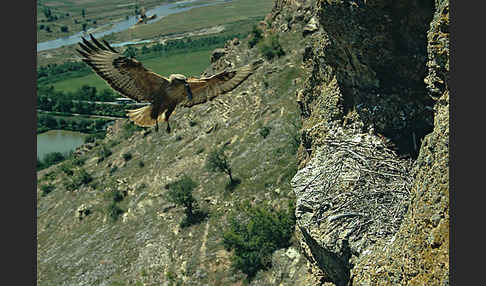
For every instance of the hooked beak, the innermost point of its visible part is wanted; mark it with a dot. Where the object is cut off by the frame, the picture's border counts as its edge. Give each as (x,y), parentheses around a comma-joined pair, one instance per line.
(188,91)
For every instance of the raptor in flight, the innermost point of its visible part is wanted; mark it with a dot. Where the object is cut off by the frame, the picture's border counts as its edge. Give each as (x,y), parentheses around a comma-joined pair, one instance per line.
(131,79)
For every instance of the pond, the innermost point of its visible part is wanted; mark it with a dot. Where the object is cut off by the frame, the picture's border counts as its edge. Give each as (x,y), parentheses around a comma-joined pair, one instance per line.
(161,11)
(62,141)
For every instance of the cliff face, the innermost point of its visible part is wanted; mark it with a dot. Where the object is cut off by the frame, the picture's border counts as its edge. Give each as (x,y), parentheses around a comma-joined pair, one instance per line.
(419,254)
(372,185)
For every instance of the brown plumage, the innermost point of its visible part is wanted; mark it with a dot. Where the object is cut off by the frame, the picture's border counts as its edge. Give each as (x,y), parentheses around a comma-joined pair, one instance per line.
(131,79)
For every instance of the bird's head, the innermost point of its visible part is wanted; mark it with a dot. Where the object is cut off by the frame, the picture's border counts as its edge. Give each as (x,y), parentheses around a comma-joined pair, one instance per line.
(181,79)
(177,77)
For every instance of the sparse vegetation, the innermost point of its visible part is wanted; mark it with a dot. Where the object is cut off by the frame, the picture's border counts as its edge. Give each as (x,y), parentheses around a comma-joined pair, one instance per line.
(113,170)
(265,131)
(66,168)
(180,193)
(127,156)
(114,211)
(270,47)
(254,233)
(152,219)
(46,189)
(103,153)
(129,129)
(50,159)
(217,161)
(117,196)
(79,161)
(93,137)
(256,35)
(82,177)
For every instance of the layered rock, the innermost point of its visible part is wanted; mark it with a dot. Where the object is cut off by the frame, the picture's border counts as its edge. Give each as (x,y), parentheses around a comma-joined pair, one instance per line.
(419,254)
(375,92)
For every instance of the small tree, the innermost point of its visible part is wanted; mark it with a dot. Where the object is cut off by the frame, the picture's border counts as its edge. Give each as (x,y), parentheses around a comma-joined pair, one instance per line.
(180,193)
(46,189)
(271,48)
(255,232)
(114,211)
(47,12)
(218,162)
(256,36)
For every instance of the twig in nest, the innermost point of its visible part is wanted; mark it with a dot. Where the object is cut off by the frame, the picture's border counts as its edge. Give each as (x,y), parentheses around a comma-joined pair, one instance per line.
(335,217)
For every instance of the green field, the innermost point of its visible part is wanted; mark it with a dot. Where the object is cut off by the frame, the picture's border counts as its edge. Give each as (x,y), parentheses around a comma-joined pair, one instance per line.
(190,63)
(199,18)
(69,13)
(236,16)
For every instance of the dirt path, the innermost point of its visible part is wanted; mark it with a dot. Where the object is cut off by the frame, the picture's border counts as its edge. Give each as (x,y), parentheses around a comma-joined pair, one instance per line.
(203,244)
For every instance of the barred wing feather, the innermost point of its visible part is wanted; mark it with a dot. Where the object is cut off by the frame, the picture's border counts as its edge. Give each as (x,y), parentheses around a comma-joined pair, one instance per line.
(210,87)
(123,74)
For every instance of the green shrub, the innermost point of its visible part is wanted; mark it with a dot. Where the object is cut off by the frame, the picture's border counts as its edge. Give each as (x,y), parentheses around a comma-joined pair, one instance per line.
(40,165)
(265,131)
(113,170)
(79,179)
(113,143)
(217,161)
(114,211)
(114,196)
(53,158)
(103,153)
(127,156)
(93,137)
(129,129)
(271,47)
(83,177)
(180,193)
(141,164)
(46,189)
(79,161)
(66,168)
(256,35)
(254,233)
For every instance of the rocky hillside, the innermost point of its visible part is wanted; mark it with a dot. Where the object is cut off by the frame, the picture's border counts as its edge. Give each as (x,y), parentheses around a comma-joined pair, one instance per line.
(126,175)
(350,120)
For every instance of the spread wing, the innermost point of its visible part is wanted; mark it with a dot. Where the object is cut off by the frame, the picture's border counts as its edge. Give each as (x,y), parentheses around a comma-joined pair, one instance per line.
(123,74)
(210,87)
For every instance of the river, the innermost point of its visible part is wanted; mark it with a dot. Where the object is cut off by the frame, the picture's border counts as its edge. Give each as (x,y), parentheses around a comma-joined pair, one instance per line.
(161,11)
(62,141)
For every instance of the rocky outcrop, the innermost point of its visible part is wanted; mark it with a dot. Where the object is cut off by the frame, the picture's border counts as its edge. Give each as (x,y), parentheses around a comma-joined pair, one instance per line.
(419,254)
(373,152)
(353,192)
(288,268)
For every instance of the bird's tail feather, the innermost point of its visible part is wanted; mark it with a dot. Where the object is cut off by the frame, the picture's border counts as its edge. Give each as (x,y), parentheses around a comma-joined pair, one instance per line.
(141,116)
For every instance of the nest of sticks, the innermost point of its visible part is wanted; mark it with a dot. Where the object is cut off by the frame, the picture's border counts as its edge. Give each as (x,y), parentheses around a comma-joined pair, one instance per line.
(360,184)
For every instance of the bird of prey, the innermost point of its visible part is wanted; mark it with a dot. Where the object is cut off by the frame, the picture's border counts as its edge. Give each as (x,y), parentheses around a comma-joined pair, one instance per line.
(131,79)
(144,18)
